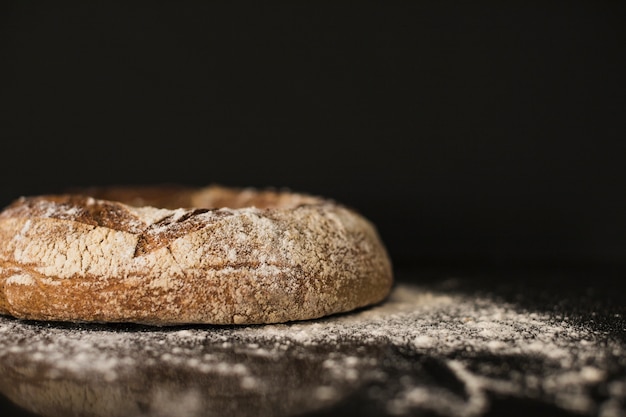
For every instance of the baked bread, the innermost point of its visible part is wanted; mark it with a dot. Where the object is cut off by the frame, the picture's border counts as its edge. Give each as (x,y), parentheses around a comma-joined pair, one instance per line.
(166,255)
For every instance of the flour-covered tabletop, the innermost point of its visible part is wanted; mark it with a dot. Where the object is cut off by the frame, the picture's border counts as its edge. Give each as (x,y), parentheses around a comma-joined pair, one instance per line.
(446,343)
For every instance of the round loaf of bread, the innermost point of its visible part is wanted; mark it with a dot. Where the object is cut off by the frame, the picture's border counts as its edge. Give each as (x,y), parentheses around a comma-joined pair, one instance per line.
(167,255)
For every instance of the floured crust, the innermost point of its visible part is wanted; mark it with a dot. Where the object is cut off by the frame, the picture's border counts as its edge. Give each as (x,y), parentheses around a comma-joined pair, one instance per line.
(215,255)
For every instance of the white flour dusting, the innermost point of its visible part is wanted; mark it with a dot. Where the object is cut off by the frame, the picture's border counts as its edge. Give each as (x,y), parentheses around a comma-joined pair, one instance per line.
(422,350)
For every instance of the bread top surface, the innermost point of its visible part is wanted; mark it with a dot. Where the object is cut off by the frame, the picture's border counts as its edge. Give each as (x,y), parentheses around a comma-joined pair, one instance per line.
(158,214)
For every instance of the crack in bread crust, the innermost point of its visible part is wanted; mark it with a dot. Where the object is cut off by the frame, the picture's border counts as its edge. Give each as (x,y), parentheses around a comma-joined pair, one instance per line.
(223,260)
(159,234)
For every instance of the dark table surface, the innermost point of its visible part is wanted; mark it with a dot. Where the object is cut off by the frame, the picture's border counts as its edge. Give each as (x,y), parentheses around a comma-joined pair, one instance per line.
(448,342)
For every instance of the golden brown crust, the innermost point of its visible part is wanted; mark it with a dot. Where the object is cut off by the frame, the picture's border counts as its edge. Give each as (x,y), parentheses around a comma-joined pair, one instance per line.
(225,256)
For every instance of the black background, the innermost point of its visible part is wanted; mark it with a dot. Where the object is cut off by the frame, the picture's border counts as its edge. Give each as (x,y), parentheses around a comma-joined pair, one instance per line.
(469,132)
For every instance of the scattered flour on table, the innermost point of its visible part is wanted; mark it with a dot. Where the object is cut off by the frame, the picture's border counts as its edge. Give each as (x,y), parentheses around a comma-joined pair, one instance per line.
(489,347)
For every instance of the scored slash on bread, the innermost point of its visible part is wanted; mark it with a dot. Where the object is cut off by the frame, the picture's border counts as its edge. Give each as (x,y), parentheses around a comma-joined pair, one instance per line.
(213,255)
